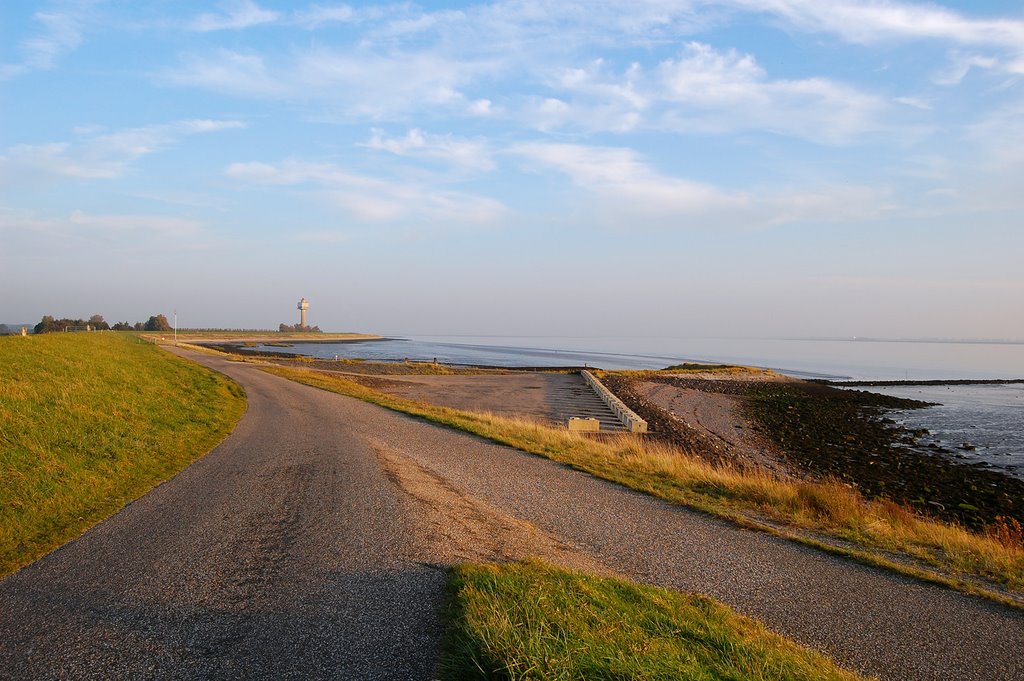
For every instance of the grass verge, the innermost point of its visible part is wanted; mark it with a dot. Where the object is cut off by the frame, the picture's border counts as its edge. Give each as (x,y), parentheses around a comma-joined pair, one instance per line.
(533,621)
(877,532)
(90,421)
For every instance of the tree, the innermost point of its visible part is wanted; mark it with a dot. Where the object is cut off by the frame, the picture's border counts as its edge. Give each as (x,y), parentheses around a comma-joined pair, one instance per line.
(157,323)
(139,326)
(47,325)
(285,328)
(122,326)
(98,323)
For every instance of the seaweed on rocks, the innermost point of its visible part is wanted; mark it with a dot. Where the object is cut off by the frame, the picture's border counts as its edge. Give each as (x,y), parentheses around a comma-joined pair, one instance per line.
(844,434)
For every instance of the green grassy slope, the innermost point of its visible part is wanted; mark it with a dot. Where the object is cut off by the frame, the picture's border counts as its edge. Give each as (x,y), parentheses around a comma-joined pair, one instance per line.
(90,421)
(533,621)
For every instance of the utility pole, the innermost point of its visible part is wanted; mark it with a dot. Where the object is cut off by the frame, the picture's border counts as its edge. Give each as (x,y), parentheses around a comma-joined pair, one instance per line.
(175,326)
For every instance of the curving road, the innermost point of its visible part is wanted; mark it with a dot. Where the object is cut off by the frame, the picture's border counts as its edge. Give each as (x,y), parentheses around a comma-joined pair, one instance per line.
(312,543)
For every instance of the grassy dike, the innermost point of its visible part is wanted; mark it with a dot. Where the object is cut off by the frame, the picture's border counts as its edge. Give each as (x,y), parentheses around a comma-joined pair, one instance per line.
(90,421)
(533,621)
(830,516)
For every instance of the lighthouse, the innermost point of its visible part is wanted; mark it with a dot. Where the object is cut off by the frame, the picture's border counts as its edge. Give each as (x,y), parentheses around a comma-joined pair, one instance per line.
(303,306)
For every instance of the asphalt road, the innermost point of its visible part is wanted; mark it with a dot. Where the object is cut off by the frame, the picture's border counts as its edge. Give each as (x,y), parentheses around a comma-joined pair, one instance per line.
(312,543)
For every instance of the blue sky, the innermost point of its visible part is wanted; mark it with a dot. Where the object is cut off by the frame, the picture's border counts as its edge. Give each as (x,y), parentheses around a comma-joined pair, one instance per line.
(750,168)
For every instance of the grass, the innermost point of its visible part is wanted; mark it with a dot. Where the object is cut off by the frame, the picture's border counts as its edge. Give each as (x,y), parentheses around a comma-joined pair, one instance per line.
(90,421)
(533,621)
(689,368)
(878,532)
(243,334)
(697,368)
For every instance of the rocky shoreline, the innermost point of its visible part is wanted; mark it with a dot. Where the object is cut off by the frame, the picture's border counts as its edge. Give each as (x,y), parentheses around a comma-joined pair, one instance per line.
(892,384)
(827,432)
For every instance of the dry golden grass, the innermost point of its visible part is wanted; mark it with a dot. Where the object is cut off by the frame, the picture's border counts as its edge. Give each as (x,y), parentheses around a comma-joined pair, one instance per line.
(878,532)
(694,369)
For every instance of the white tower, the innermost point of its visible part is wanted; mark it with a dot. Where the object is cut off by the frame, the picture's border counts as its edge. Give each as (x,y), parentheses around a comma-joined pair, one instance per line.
(303,306)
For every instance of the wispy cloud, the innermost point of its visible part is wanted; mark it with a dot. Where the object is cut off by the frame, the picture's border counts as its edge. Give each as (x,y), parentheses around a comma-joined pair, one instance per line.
(375,200)
(626,192)
(462,153)
(236,14)
(705,90)
(99,156)
(960,65)
(316,16)
(28,233)
(353,85)
(888,20)
(60,31)
(229,72)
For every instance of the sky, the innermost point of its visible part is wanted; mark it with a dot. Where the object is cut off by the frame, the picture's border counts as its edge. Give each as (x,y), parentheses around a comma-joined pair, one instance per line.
(732,168)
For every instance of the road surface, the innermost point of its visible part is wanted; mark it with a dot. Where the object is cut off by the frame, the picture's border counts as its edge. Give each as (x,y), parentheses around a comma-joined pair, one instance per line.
(313,543)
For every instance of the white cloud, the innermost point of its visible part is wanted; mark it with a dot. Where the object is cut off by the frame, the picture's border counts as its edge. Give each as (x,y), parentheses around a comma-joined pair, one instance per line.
(385,85)
(102,156)
(915,102)
(237,14)
(348,85)
(406,61)
(960,65)
(374,200)
(481,107)
(319,15)
(736,93)
(707,91)
(887,20)
(230,72)
(624,191)
(60,32)
(468,154)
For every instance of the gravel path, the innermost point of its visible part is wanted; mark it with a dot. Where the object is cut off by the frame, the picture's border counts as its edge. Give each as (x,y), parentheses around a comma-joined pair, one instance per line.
(312,542)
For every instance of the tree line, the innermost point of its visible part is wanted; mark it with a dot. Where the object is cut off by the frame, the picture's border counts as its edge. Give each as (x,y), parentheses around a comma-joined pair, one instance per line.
(286,328)
(50,324)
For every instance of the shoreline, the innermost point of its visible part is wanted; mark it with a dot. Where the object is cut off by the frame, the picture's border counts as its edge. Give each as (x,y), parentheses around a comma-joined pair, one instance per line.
(935,382)
(269,337)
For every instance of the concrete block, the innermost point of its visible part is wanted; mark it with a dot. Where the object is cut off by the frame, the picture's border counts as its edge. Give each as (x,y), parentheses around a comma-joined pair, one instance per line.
(590,425)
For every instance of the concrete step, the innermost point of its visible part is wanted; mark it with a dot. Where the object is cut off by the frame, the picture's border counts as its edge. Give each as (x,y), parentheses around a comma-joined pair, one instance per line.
(573,397)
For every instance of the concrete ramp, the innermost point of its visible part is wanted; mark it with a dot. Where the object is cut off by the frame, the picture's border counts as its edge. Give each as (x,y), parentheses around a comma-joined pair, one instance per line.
(548,396)
(573,396)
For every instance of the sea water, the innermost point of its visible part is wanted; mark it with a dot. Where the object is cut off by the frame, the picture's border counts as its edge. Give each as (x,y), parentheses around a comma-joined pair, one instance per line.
(839,359)
(979,423)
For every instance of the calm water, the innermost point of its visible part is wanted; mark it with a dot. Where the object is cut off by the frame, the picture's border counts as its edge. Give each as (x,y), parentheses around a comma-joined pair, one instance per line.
(989,417)
(832,359)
